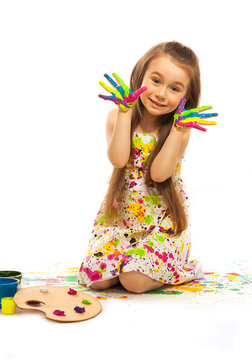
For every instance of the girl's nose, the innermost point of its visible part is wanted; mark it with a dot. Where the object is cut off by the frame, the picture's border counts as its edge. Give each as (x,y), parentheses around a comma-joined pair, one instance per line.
(161,93)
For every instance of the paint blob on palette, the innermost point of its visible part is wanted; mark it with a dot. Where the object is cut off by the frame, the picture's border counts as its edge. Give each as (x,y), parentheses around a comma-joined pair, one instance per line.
(58,303)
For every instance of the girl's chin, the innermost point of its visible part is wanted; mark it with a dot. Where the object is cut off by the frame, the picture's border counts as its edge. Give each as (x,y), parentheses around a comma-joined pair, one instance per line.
(157,111)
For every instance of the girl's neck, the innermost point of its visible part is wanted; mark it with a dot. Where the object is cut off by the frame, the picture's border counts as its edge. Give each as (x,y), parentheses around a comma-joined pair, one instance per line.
(148,124)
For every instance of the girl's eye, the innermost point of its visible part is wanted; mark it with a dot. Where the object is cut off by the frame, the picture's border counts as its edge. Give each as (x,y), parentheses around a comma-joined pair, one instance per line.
(156,81)
(174,89)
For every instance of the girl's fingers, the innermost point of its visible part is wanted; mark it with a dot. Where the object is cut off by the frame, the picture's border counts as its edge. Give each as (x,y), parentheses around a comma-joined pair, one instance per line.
(115,99)
(180,107)
(198,109)
(180,124)
(197,115)
(192,115)
(112,82)
(116,86)
(109,89)
(196,120)
(202,108)
(196,126)
(205,122)
(140,91)
(133,97)
(208,115)
(104,97)
(181,103)
(120,92)
(123,85)
(106,87)
(192,124)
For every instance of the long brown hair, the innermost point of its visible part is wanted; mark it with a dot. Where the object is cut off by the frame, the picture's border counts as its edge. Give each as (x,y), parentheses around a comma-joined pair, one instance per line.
(169,189)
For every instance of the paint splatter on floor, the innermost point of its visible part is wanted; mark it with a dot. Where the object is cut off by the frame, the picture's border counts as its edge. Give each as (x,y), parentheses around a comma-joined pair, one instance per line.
(235,284)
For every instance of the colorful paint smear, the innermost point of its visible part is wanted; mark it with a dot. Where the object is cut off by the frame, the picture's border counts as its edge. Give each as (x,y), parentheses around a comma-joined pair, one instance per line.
(213,282)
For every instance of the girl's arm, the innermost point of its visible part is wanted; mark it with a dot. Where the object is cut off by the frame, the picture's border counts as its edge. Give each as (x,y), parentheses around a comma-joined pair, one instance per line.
(165,162)
(173,148)
(118,128)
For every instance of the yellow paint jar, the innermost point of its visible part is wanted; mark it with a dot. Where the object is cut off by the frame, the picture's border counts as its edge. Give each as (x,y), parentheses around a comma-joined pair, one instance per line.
(8,305)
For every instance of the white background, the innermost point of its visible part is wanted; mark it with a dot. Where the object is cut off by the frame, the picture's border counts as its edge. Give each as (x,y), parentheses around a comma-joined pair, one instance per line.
(53,163)
(54,168)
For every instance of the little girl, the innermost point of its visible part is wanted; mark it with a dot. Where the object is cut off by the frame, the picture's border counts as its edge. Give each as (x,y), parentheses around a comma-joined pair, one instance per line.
(140,235)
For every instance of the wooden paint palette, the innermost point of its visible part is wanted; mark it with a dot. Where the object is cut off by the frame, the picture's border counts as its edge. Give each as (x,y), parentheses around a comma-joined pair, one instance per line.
(50,298)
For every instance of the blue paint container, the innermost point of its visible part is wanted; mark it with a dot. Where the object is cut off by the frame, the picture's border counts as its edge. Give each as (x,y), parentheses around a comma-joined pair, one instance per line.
(11,274)
(8,287)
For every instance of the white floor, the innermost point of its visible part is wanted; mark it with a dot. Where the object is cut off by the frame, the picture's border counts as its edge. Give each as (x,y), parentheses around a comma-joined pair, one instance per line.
(125,329)
(53,163)
(150,326)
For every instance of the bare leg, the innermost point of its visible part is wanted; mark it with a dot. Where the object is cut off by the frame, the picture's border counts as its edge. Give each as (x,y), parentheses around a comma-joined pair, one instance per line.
(102,285)
(138,283)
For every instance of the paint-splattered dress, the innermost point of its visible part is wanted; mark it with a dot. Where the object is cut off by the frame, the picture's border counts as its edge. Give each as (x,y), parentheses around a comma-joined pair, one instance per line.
(140,240)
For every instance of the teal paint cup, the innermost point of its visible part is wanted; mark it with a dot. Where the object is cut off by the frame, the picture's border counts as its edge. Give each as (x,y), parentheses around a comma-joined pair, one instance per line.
(11,274)
(8,287)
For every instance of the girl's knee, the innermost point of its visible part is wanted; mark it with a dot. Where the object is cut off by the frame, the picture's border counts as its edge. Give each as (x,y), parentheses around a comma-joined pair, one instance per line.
(134,282)
(100,285)
(105,284)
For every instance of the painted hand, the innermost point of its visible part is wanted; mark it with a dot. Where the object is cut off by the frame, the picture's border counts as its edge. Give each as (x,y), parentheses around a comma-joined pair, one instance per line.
(192,118)
(121,95)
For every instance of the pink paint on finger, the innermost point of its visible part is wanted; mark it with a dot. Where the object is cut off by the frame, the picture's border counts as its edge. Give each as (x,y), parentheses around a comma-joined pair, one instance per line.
(133,97)
(140,91)
(191,124)
(199,128)
(183,124)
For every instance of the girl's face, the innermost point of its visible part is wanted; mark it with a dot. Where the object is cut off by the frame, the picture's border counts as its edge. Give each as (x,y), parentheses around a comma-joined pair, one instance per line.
(166,83)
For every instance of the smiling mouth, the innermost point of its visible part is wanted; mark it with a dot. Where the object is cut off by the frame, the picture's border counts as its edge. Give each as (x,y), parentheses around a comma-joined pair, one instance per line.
(156,103)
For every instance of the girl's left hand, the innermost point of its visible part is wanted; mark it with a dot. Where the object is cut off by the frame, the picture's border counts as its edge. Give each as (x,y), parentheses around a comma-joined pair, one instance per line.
(192,118)
(121,95)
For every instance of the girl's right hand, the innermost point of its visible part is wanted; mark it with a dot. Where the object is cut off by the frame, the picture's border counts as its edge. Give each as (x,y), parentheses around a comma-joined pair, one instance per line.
(121,95)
